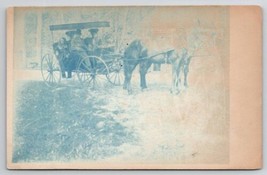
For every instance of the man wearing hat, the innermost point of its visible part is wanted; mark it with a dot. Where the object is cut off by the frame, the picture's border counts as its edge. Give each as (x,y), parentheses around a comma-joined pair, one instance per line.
(77,43)
(61,51)
(70,34)
(92,42)
(77,48)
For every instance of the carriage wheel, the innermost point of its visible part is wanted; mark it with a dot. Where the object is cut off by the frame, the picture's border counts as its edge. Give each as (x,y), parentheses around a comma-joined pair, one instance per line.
(50,69)
(116,75)
(91,72)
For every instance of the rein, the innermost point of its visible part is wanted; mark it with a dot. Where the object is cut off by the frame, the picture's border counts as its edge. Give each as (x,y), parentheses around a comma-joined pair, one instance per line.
(165,54)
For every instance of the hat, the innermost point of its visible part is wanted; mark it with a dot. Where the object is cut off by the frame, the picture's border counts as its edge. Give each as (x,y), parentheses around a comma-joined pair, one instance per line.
(70,33)
(93,30)
(78,32)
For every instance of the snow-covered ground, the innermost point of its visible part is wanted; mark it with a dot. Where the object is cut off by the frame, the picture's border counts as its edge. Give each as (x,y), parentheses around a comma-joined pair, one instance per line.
(153,126)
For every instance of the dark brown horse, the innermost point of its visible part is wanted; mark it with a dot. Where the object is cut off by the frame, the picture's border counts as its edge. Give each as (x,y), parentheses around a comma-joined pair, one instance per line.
(136,53)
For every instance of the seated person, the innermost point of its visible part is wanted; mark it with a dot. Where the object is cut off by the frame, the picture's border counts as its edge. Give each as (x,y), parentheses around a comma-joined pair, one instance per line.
(61,48)
(77,43)
(78,51)
(92,42)
(61,51)
(69,35)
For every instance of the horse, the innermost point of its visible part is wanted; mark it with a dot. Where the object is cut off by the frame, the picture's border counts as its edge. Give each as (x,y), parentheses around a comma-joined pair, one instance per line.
(180,65)
(136,53)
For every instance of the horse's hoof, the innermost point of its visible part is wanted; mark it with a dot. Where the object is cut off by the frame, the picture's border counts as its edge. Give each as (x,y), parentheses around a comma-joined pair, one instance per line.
(174,92)
(143,88)
(130,91)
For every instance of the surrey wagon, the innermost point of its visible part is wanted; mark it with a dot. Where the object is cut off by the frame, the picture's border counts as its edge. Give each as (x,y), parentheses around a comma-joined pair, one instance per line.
(92,68)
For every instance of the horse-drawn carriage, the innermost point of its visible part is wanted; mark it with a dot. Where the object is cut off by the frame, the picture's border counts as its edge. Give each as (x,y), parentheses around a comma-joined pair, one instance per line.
(92,67)
(95,65)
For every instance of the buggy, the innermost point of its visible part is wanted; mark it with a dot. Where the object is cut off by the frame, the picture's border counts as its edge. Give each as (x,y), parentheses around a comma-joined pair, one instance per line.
(92,68)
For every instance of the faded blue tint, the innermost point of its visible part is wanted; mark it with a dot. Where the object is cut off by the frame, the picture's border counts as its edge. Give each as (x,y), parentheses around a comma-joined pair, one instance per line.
(65,124)
(70,102)
(30,34)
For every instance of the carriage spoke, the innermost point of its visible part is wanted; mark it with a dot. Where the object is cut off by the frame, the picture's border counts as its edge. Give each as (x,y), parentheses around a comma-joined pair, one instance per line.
(91,80)
(115,78)
(119,79)
(47,60)
(49,80)
(50,70)
(112,75)
(53,78)
(48,76)
(45,74)
(88,79)
(100,77)
(116,72)
(82,76)
(56,75)
(86,67)
(85,77)
(92,72)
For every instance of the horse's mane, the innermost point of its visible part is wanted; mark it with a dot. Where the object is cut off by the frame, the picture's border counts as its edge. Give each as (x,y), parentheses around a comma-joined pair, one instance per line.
(135,46)
(134,43)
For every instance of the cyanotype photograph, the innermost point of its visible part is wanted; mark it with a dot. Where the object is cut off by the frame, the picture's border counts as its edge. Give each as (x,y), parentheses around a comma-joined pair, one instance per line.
(119,87)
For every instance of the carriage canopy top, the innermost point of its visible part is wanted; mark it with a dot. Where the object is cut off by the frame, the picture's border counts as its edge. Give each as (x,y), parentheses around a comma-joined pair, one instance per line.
(85,25)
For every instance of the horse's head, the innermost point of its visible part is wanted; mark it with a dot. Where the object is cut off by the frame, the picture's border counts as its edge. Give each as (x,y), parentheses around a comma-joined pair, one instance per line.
(138,48)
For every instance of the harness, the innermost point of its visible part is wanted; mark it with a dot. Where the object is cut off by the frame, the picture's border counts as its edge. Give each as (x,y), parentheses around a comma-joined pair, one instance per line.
(165,55)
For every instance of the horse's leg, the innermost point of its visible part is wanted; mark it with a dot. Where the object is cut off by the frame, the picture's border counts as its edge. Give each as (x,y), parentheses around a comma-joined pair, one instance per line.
(60,58)
(174,78)
(69,69)
(129,87)
(128,71)
(70,65)
(63,74)
(126,75)
(144,66)
(62,67)
(142,75)
(177,80)
(125,82)
(186,70)
(176,69)
(185,76)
